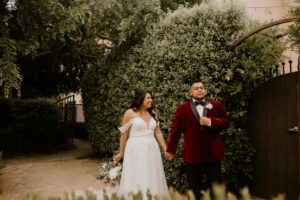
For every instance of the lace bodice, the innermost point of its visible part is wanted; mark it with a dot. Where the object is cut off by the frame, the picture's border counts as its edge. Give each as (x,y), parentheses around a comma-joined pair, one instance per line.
(138,127)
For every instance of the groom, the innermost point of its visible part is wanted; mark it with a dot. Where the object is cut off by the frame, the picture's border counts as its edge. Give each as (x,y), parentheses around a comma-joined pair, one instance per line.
(200,120)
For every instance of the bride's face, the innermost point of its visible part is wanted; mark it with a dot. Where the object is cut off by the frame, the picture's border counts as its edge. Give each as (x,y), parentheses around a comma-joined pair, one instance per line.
(147,103)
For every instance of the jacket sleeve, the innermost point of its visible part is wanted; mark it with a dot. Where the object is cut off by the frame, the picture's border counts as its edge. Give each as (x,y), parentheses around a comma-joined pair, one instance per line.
(175,132)
(219,120)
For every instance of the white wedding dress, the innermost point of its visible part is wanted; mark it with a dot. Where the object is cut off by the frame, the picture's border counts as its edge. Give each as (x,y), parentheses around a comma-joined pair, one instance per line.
(142,164)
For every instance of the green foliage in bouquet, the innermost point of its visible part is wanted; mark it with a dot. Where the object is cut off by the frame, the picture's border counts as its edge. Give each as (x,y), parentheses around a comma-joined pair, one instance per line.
(186,44)
(110,171)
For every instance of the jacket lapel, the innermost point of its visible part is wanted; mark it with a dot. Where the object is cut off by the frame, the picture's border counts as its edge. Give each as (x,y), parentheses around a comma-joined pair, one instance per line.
(205,109)
(194,110)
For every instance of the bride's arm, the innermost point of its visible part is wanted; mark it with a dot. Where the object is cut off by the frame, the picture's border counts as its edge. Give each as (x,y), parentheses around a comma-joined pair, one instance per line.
(160,138)
(158,135)
(123,139)
(124,134)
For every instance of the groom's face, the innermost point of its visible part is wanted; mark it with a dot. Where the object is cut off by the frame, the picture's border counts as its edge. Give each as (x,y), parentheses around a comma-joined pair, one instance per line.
(198,91)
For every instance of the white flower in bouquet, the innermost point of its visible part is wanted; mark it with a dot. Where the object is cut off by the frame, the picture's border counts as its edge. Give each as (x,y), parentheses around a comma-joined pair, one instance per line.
(104,165)
(114,172)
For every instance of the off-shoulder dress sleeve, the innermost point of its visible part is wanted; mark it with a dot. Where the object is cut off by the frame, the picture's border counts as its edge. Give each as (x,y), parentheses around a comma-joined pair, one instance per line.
(125,127)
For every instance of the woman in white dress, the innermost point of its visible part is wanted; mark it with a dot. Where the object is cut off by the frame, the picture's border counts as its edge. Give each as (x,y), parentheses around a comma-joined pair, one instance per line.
(142,163)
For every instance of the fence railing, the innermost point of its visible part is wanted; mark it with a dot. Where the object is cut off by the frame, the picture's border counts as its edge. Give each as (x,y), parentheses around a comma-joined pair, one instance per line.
(67,112)
(67,109)
(287,67)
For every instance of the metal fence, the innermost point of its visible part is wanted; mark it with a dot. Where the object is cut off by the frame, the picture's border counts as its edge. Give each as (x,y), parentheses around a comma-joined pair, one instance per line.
(67,109)
(287,67)
(67,113)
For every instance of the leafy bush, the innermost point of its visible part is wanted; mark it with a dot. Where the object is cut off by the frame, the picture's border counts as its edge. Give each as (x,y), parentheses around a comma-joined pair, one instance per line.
(186,44)
(31,125)
(294,28)
(133,20)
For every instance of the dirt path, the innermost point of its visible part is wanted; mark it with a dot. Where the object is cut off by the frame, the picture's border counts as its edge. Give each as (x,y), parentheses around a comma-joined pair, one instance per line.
(50,175)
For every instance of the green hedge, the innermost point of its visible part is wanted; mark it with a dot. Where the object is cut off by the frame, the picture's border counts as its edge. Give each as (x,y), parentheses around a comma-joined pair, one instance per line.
(30,125)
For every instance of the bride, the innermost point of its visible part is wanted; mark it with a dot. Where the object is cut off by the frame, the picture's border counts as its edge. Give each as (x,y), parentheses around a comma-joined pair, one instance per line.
(142,163)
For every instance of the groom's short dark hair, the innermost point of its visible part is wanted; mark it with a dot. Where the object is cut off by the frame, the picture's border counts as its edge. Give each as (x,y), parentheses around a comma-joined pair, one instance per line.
(197,80)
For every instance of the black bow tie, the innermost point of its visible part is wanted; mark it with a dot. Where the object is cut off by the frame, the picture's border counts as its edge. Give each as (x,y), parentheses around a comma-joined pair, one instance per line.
(202,103)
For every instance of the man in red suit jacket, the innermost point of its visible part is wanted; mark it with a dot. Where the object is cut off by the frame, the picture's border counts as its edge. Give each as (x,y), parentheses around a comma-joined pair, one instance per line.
(200,120)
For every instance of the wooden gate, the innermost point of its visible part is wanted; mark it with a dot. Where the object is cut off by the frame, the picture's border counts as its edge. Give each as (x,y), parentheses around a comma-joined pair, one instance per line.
(273,124)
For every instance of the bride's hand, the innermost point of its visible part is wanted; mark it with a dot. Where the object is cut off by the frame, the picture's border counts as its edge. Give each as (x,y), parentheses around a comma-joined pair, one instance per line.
(118,157)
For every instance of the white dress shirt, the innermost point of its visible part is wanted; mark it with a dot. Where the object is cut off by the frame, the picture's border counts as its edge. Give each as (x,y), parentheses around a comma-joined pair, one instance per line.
(200,109)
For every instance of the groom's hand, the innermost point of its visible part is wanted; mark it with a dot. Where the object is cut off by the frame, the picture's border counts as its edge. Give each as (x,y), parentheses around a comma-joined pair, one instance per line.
(169,156)
(204,121)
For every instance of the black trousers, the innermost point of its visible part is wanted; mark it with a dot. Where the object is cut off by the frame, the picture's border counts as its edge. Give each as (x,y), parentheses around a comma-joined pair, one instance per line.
(200,176)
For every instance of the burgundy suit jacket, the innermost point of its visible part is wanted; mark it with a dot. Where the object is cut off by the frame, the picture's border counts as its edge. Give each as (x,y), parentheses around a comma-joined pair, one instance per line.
(200,144)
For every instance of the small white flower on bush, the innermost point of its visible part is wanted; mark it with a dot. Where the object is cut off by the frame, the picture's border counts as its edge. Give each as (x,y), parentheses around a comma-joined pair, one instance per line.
(110,172)
(209,106)
(240,70)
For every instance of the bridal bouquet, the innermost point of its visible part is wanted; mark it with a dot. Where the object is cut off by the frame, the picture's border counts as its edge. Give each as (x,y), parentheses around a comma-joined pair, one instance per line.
(110,172)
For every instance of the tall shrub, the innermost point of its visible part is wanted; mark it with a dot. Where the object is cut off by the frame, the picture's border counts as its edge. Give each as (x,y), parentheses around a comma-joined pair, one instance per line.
(131,22)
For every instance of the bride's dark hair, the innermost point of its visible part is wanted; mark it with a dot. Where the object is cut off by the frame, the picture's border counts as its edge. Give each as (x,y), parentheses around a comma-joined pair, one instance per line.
(138,101)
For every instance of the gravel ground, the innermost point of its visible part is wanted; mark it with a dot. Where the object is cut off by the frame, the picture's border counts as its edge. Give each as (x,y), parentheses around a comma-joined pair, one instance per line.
(51,175)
